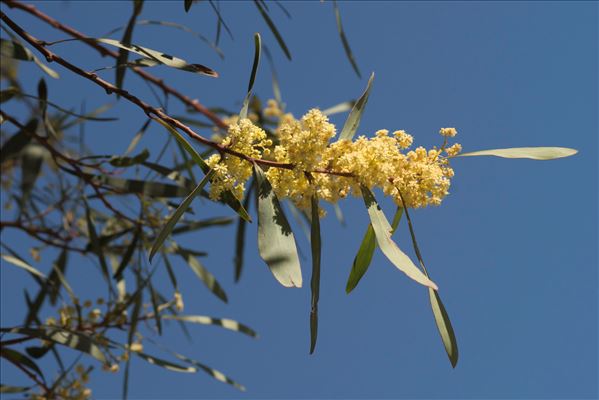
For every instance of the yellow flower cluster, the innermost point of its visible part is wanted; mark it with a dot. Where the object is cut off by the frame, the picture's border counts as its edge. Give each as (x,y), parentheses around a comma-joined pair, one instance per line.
(334,170)
(232,172)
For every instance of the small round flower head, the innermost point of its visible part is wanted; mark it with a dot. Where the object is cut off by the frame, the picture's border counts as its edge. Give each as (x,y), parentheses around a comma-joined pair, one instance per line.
(272,109)
(231,172)
(453,150)
(448,132)
(404,139)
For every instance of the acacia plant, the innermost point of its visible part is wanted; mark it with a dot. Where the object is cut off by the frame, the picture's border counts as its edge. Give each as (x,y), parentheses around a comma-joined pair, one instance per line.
(122,213)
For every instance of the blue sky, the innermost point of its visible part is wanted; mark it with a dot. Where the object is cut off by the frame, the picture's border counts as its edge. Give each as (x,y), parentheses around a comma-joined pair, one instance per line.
(513,248)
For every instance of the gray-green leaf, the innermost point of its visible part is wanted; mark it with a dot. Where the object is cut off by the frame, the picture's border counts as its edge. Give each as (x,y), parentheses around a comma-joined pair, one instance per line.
(276,242)
(353,120)
(534,153)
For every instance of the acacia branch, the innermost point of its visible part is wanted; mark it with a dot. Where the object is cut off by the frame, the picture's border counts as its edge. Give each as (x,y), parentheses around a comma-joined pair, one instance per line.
(148,109)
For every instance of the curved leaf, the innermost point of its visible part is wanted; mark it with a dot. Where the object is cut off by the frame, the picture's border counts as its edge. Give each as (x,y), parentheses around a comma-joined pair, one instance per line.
(223,322)
(202,273)
(12,49)
(273,29)
(165,364)
(348,52)
(163,58)
(22,264)
(315,281)
(366,251)
(276,242)
(353,120)
(257,50)
(382,231)
(170,224)
(534,153)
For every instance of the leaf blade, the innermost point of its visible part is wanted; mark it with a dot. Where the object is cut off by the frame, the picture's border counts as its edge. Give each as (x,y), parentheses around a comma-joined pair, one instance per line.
(353,120)
(276,243)
(534,153)
(315,244)
(382,230)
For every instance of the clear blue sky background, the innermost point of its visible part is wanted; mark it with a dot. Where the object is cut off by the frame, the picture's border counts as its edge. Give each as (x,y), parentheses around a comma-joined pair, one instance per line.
(513,248)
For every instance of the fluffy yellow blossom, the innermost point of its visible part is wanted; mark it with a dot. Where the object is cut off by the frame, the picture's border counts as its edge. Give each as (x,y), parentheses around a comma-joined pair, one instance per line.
(453,150)
(334,170)
(232,172)
(448,132)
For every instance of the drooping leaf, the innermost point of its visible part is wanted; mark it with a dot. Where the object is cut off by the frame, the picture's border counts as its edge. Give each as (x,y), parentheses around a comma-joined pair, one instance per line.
(32,158)
(227,197)
(12,49)
(162,58)
(126,260)
(273,29)
(339,108)
(187,5)
(13,389)
(223,322)
(441,317)
(146,188)
(13,146)
(42,92)
(205,276)
(95,243)
(154,298)
(348,52)
(276,88)
(276,242)
(38,351)
(74,340)
(8,94)
(165,364)
(181,27)
(22,264)
(257,50)
(56,277)
(126,40)
(170,224)
(195,225)
(315,281)
(20,359)
(382,231)
(240,236)
(210,371)
(220,21)
(534,153)
(124,161)
(353,120)
(365,253)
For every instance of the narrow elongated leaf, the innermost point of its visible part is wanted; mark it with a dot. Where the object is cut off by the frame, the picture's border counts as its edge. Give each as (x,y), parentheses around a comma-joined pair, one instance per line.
(276,242)
(205,276)
(257,50)
(187,5)
(344,41)
(382,232)
(165,364)
(160,57)
(353,120)
(20,359)
(339,108)
(365,253)
(12,49)
(37,351)
(22,264)
(276,88)
(17,142)
(146,188)
(32,158)
(195,225)
(227,197)
(56,277)
(124,53)
(74,340)
(441,317)
(124,161)
(170,224)
(8,94)
(210,371)
(315,281)
(95,243)
(13,389)
(220,21)
(87,117)
(126,260)
(42,92)
(223,322)
(534,153)
(273,29)
(240,236)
